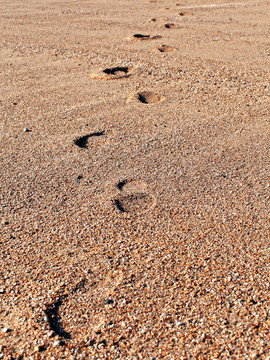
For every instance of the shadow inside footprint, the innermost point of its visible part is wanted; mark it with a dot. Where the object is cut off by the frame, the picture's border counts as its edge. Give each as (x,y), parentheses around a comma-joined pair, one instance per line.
(116,70)
(141,36)
(183,14)
(132,185)
(82,142)
(165,48)
(144,37)
(171,26)
(52,313)
(148,97)
(145,97)
(121,184)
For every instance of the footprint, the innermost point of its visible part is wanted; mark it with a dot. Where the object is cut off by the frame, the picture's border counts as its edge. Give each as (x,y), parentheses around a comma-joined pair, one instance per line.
(134,203)
(164,8)
(52,312)
(171,26)
(133,197)
(83,142)
(144,37)
(117,72)
(164,48)
(54,320)
(154,20)
(131,185)
(146,97)
(184,13)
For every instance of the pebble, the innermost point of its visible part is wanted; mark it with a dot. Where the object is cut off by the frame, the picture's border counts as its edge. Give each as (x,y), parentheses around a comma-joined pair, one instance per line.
(108,301)
(57,343)
(4,222)
(6,330)
(51,333)
(179,323)
(2,290)
(37,348)
(26,130)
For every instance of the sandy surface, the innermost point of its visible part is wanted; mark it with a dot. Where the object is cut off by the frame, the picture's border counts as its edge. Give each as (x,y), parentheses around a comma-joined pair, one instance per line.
(134,179)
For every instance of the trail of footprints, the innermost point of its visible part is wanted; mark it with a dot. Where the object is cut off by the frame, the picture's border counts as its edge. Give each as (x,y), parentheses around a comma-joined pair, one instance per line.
(133,195)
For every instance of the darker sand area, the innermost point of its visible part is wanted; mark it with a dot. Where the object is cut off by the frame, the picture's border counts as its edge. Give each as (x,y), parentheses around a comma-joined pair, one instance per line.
(134,179)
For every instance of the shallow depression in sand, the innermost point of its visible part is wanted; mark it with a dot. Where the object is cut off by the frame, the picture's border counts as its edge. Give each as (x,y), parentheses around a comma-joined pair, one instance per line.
(133,203)
(83,142)
(165,48)
(148,97)
(184,13)
(116,72)
(145,97)
(131,185)
(171,26)
(143,37)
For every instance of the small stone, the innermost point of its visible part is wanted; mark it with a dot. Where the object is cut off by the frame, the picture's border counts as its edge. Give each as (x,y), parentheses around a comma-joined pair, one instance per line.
(51,334)
(108,301)
(26,129)
(6,330)
(179,323)
(92,342)
(4,222)
(57,343)
(2,290)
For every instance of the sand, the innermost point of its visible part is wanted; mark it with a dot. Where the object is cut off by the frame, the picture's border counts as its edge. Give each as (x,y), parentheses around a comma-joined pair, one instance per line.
(134,179)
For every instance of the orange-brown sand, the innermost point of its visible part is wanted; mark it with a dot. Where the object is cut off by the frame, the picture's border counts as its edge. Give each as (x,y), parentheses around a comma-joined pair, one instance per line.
(134,179)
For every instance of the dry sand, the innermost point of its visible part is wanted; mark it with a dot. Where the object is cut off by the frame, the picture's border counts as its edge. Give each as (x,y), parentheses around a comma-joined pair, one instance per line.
(134,179)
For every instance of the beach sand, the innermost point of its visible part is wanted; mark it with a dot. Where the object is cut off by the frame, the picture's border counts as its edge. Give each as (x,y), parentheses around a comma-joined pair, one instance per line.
(134,179)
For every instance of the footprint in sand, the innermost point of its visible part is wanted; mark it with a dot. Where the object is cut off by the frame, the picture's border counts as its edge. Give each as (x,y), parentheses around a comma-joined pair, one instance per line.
(146,97)
(183,13)
(133,203)
(134,197)
(54,320)
(85,141)
(52,311)
(140,37)
(171,26)
(131,185)
(164,8)
(95,291)
(117,72)
(164,48)
(155,20)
